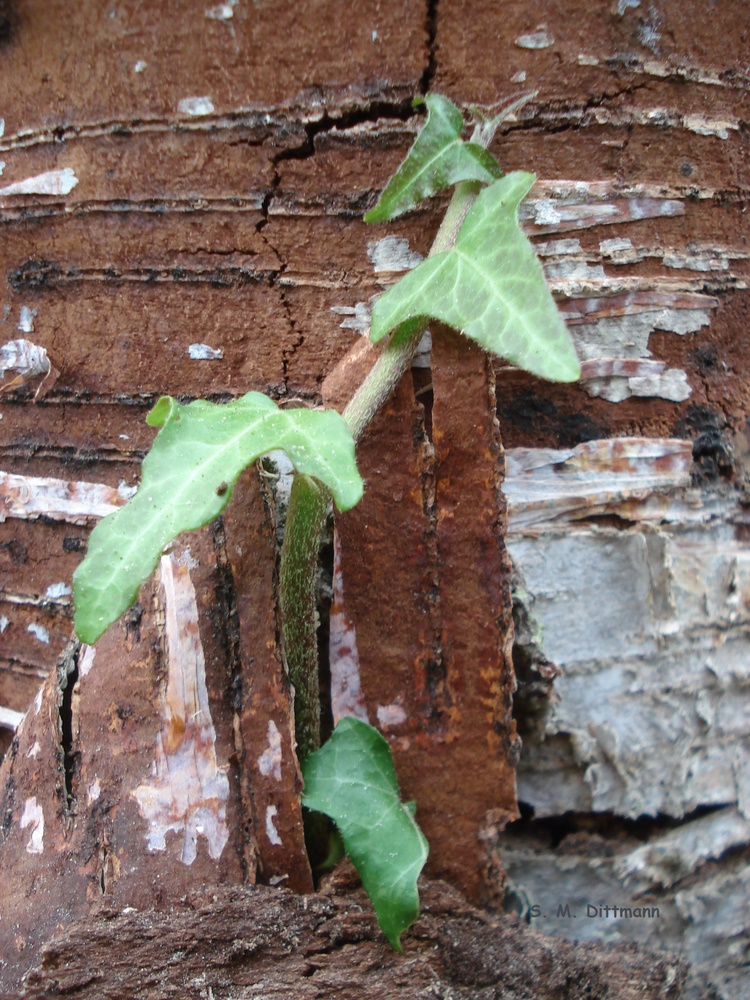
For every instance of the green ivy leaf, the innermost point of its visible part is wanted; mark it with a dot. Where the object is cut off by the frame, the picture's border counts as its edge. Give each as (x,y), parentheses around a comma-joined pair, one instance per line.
(491,286)
(438,159)
(187,480)
(352,780)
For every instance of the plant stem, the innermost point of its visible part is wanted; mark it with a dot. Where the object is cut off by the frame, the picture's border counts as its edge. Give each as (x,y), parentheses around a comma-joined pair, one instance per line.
(309,500)
(306,515)
(396,357)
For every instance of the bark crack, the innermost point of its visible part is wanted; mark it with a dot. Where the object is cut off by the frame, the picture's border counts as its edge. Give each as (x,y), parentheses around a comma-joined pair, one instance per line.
(67,678)
(431,28)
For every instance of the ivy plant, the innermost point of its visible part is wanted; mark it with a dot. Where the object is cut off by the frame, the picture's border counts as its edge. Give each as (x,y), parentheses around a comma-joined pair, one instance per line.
(483,278)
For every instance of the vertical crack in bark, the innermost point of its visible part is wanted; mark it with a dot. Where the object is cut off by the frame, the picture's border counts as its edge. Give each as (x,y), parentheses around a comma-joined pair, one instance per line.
(228,615)
(67,678)
(438,697)
(431,27)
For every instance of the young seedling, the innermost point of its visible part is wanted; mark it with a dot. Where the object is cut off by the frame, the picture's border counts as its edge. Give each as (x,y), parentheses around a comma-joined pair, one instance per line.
(481,277)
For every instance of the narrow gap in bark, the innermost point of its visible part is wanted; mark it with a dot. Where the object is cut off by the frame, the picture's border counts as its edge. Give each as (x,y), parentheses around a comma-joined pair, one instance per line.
(103,871)
(535,674)
(431,68)
(324,596)
(422,379)
(227,625)
(67,678)
(553,830)
(374,112)
(434,668)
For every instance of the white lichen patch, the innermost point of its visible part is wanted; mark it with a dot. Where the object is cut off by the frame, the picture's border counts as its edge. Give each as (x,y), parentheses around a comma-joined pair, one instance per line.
(26,319)
(56,591)
(94,790)
(695,262)
(616,245)
(539,39)
(52,182)
(545,213)
(612,334)
(4,623)
(204,352)
(358,316)
(269,762)
(702,125)
(271,832)
(222,11)
(33,817)
(196,106)
(22,356)
(392,254)
(390,716)
(86,660)
(39,632)
(346,685)
(187,791)
(35,750)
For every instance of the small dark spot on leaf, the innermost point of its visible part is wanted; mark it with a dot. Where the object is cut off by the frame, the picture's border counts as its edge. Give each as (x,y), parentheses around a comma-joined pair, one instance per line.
(221,489)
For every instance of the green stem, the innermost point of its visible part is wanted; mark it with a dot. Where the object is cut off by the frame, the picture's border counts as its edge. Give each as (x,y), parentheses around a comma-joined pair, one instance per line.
(309,500)
(396,357)
(306,516)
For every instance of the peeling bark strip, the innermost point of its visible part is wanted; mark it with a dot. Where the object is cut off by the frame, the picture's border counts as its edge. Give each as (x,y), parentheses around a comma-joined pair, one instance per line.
(188,791)
(435,671)
(82,752)
(560,207)
(650,627)
(635,478)
(264,715)
(343,656)
(28,360)
(30,497)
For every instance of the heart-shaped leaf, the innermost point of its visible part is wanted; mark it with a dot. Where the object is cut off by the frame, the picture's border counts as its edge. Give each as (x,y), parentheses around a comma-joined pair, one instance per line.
(491,286)
(438,159)
(187,480)
(352,780)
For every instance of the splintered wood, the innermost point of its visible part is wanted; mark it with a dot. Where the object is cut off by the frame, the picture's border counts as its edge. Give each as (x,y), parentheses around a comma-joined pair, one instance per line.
(436,673)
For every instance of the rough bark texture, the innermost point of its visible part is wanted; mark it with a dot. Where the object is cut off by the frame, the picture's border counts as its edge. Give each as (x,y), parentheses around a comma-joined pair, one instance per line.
(180,203)
(255,942)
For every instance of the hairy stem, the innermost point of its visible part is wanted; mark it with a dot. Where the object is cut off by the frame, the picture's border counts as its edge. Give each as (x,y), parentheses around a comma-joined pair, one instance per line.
(309,500)
(308,507)
(387,371)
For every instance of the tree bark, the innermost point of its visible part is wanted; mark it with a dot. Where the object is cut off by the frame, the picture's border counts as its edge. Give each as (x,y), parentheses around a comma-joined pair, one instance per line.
(181,200)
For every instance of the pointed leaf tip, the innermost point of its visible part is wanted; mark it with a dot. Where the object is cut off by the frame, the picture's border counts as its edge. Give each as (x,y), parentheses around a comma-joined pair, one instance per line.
(437,159)
(187,480)
(491,286)
(351,779)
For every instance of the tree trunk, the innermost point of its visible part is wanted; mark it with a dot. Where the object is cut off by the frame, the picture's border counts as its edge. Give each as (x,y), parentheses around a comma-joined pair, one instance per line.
(181,204)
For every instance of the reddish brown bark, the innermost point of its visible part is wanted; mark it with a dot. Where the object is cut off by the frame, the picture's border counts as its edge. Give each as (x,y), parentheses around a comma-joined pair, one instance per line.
(235,223)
